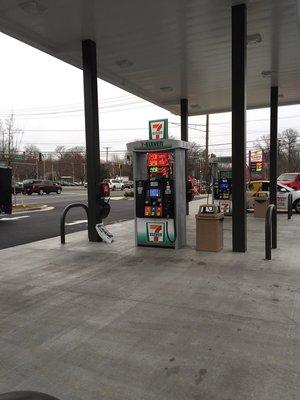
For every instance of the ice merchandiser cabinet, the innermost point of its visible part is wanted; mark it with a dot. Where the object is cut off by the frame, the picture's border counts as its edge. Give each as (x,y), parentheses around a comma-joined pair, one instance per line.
(159,192)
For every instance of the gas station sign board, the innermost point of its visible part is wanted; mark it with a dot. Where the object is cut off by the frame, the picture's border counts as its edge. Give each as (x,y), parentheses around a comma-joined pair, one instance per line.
(256,155)
(256,164)
(158,129)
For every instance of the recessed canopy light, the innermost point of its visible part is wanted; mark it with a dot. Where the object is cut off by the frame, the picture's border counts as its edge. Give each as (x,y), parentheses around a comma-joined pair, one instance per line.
(254,38)
(124,63)
(166,89)
(171,103)
(33,7)
(267,74)
(195,106)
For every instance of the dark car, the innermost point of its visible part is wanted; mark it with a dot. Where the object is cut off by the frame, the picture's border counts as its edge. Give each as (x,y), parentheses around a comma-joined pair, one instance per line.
(128,184)
(17,188)
(40,186)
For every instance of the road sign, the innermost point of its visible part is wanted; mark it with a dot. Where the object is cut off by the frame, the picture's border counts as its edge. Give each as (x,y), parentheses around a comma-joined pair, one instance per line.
(18,157)
(224,160)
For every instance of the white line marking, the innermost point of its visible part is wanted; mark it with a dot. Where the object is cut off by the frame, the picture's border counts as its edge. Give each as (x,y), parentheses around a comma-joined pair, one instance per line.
(46,208)
(80,221)
(14,218)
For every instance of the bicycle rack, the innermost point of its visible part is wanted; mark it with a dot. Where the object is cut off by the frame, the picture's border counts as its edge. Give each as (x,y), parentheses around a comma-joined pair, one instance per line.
(290,205)
(269,242)
(63,218)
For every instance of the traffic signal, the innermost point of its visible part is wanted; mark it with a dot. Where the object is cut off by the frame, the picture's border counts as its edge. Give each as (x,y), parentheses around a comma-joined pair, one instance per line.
(40,157)
(258,167)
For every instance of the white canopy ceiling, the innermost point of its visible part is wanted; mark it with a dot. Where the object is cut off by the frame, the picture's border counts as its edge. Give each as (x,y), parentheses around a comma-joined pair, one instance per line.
(164,50)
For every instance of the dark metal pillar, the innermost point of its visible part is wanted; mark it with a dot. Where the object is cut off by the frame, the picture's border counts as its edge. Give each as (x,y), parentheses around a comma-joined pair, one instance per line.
(89,65)
(184,135)
(273,158)
(239,63)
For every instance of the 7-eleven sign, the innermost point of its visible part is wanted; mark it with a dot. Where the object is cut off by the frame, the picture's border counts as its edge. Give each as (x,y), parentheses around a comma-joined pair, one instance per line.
(155,232)
(158,129)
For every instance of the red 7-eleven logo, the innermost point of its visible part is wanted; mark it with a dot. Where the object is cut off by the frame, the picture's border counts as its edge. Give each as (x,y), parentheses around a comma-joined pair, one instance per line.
(156,232)
(157,130)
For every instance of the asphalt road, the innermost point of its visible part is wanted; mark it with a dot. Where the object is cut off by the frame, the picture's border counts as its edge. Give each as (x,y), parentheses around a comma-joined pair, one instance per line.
(25,227)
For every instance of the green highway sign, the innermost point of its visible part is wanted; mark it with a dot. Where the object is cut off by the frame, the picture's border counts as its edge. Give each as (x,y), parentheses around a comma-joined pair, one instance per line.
(18,157)
(224,160)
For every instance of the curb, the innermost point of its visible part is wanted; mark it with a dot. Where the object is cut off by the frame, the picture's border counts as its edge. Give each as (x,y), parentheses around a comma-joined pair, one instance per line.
(44,207)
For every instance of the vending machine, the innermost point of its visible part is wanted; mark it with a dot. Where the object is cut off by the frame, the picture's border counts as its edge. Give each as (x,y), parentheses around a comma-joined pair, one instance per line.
(160,192)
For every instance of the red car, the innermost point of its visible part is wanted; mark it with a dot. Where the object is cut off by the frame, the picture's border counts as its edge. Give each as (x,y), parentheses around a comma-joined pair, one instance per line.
(291,179)
(40,186)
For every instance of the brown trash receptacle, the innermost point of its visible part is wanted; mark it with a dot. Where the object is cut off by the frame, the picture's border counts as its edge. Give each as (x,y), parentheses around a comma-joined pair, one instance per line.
(209,228)
(261,204)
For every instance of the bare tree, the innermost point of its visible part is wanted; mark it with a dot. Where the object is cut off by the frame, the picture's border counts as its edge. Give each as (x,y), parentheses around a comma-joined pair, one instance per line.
(195,161)
(288,156)
(32,152)
(60,151)
(11,138)
(289,141)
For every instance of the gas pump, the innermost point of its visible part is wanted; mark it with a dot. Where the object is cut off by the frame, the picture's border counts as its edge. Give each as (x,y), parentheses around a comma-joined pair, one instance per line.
(221,172)
(223,194)
(160,192)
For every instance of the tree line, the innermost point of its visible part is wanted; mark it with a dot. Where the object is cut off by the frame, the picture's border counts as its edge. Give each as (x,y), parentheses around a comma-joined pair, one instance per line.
(32,162)
(288,151)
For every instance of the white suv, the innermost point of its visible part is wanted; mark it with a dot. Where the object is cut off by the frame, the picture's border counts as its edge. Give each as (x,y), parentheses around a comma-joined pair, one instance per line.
(115,184)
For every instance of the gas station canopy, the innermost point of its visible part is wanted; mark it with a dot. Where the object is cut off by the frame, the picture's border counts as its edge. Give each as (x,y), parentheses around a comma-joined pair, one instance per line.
(166,50)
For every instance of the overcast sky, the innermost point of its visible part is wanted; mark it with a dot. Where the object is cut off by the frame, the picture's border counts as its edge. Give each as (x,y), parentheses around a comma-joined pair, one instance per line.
(46,96)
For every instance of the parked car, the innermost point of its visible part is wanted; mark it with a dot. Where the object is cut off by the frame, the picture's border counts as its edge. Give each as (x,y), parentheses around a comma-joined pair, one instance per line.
(17,188)
(41,187)
(67,183)
(115,184)
(283,191)
(128,184)
(291,179)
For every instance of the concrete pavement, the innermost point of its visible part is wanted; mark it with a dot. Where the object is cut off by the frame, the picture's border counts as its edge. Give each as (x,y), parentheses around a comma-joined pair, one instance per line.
(89,321)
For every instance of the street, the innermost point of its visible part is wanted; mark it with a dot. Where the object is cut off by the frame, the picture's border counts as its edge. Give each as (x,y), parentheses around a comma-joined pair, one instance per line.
(25,227)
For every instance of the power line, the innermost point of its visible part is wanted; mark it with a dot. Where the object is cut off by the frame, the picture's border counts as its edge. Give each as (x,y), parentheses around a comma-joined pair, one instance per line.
(72,109)
(72,105)
(81,115)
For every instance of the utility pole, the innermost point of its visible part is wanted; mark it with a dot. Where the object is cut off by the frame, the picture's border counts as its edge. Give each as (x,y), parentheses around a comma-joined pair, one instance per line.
(73,171)
(44,168)
(84,173)
(206,149)
(106,153)
(9,146)
(3,144)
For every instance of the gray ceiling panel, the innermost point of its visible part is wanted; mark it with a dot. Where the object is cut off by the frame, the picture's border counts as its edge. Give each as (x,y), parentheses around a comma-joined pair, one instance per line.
(183,45)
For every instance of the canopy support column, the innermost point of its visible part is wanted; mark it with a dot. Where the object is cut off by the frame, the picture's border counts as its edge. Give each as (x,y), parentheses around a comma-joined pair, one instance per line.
(239,63)
(89,65)
(184,136)
(273,158)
